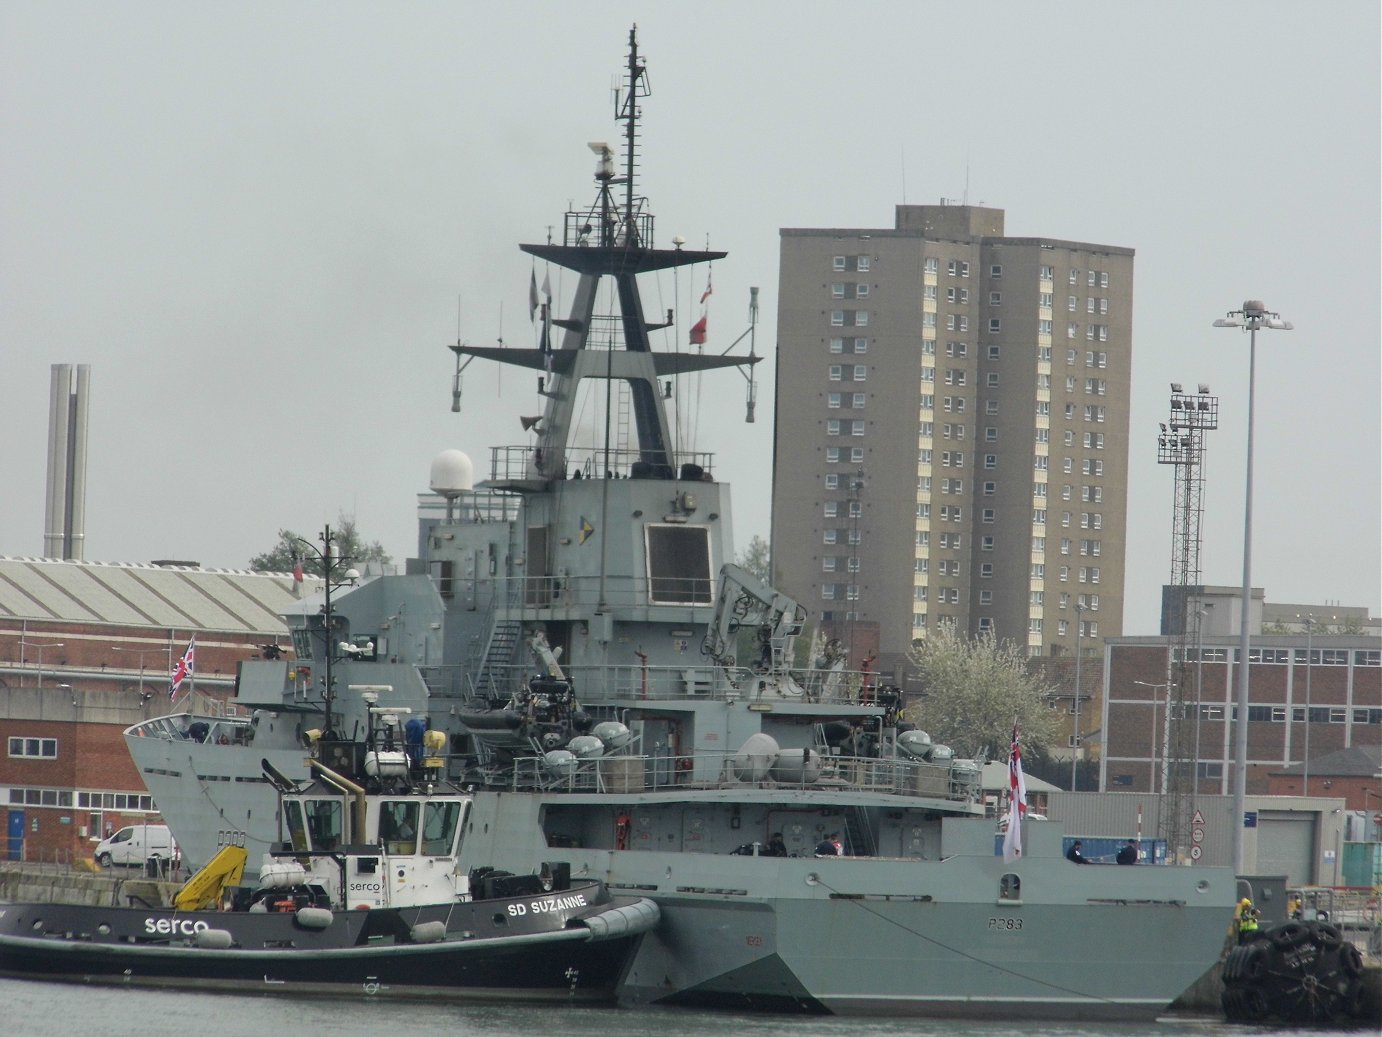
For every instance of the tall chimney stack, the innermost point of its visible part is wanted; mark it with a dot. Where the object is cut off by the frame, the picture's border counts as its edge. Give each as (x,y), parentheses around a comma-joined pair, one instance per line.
(64,531)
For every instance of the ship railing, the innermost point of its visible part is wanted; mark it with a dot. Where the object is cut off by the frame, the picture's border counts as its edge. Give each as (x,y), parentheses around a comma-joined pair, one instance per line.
(698,680)
(511,463)
(181,727)
(954,781)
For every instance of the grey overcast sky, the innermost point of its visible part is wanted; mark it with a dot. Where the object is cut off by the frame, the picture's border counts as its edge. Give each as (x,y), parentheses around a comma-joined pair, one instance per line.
(254,221)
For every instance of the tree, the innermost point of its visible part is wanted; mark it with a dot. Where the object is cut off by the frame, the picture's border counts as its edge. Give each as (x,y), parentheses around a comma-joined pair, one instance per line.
(289,549)
(973,689)
(755,558)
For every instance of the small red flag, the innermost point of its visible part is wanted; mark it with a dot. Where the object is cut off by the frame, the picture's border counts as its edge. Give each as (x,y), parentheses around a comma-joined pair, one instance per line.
(297,570)
(698,333)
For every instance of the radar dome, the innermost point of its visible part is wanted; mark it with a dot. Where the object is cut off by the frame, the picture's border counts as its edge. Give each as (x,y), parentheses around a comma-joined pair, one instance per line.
(452,473)
(586,747)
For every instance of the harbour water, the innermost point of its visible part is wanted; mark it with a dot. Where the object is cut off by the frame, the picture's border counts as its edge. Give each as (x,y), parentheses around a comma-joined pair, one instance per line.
(39,1009)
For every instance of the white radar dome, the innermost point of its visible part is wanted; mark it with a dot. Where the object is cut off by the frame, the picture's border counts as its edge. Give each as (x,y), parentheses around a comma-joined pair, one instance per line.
(452,473)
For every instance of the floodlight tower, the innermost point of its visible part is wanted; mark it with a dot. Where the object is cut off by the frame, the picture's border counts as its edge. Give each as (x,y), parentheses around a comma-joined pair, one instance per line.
(1181,444)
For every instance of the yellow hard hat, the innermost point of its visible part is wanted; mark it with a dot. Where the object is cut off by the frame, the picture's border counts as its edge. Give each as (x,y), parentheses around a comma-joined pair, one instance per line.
(1244,901)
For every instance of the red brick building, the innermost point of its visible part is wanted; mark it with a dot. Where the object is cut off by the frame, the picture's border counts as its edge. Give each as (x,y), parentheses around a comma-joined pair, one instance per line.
(85,651)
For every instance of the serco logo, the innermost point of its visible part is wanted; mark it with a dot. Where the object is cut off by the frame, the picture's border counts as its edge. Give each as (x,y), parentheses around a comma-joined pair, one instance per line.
(173,926)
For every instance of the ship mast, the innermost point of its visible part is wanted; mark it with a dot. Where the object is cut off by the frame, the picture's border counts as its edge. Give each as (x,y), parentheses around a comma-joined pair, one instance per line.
(607,239)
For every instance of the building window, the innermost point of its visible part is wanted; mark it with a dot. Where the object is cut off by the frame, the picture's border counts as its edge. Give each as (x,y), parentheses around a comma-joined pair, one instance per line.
(833,401)
(990,460)
(836,373)
(838,262)
(832,455)
(837,318)
(858,400)
(995,325)
(861,291)
(832,508)
(856,428)
(856,455)
(832,427)
(34,748)
(986,543)
(832,481)
(861,373)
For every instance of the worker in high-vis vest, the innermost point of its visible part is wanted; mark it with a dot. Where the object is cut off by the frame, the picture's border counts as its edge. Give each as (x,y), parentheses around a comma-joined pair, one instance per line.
(1246,917)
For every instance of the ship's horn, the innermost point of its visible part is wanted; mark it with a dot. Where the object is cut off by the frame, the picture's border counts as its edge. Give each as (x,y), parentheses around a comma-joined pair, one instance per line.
(530,423)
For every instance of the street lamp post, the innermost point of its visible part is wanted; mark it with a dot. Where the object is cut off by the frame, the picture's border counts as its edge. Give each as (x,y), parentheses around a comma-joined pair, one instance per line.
(1252,316)
(40,646)
(140,652)
(1165,734)
(1079,653)
(1305,759)
(1201,613)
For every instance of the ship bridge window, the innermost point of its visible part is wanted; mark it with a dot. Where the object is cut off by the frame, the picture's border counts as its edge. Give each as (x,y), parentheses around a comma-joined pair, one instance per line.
(398,825)
(1010,887)
(439,824)
(678,565)
(324,823)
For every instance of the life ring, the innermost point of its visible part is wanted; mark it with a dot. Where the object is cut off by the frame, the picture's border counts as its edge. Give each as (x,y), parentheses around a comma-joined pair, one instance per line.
(683,763)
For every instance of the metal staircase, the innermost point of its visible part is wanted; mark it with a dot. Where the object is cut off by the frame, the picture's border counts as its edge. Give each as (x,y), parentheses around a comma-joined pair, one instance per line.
(860,833)
(500,655)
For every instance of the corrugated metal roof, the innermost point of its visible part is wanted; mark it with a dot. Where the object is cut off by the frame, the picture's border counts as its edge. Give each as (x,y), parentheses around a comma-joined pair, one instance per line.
(233,600)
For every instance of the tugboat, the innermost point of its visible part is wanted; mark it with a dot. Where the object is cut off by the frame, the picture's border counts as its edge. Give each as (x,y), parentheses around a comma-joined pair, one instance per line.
(623,699)
(363,895)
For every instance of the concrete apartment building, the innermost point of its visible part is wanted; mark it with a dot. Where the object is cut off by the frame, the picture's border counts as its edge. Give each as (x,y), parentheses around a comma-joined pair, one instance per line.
(951,440)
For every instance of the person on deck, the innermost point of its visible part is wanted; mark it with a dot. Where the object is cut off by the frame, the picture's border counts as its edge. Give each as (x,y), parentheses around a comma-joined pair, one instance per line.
(1128,853)
(1075,853)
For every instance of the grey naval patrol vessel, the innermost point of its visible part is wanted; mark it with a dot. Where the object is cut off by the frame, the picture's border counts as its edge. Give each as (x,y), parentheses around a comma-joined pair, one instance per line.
(568,641)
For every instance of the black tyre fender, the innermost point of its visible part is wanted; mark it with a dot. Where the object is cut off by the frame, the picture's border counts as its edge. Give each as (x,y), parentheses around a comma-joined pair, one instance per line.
(1245,964)
(1326,936)
(1289,935)
(1244,1004)
(1351,960)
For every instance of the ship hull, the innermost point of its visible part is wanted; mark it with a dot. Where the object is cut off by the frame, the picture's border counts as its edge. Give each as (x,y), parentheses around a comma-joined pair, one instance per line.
(501,949)
(861,936)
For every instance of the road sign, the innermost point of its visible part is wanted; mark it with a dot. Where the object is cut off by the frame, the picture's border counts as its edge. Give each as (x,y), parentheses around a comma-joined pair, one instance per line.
(1195,853)
(1198,819)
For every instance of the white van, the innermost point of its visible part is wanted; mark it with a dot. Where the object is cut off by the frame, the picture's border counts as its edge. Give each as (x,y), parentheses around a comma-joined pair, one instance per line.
(135,844)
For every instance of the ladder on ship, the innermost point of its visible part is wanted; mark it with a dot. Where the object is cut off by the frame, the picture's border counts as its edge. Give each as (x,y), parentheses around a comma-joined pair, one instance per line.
(500,655)
(859,832)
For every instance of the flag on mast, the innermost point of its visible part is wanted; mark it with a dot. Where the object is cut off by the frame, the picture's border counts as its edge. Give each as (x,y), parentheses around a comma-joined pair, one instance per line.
(698,333)
(1017,800)
(183,668)
(708,289)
